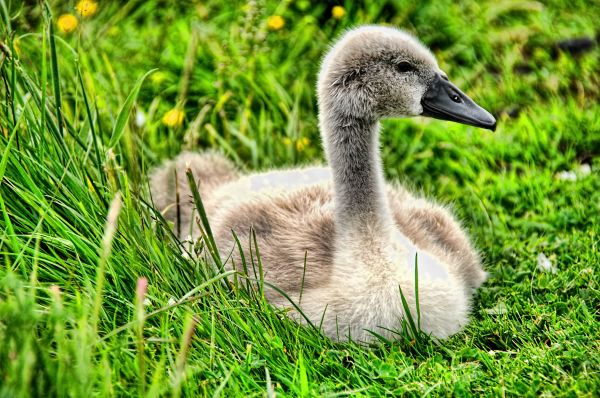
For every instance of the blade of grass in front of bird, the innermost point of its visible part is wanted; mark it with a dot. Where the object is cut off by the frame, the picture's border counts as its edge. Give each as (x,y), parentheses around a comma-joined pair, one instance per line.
(123,116)
(214,252)
(244,263)
(289,299)
(303,277)
(407,314)
(417,292)
(109,233)
(260,265)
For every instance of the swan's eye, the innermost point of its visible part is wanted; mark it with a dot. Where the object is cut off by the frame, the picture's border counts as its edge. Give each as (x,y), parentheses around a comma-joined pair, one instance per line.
(405,66)
(455,98)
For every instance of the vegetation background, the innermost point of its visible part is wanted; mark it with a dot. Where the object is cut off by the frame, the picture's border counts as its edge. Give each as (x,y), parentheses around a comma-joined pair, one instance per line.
(90,307)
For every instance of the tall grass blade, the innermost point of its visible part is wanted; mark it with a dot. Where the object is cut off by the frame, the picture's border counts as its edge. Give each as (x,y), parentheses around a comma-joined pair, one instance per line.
(55,72)
(417,291)
(95,137)
(408,315)
(109,233)
(210,240)
(119,127)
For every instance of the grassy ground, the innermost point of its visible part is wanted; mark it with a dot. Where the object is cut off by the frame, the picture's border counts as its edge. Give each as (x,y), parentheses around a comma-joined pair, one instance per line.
(75,317)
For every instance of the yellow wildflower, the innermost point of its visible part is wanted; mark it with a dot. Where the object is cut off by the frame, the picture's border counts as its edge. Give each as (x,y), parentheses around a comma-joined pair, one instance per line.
(338,12)
(287,141)
(302,143)
(67,23)
(86,7)
(173,118)
(275,22)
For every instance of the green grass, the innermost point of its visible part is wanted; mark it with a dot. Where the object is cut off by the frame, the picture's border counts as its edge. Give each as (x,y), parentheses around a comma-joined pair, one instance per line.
(71,323)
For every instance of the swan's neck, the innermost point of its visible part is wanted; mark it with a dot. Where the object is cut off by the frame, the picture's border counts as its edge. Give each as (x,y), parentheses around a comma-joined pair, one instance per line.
(352,147)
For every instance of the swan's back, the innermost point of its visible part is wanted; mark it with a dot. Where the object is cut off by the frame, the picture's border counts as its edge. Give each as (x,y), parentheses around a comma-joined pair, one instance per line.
(169,185)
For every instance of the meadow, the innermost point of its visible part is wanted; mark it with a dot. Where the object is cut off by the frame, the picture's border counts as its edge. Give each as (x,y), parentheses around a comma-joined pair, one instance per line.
(96,295)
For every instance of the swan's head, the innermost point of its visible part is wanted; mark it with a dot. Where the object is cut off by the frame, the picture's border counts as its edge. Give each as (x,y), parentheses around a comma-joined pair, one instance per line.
(377,72)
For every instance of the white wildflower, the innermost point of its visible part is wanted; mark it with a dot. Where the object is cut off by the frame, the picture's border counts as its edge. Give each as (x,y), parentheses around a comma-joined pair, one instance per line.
(140,118)
(544,264)
(572,175)
(567,176)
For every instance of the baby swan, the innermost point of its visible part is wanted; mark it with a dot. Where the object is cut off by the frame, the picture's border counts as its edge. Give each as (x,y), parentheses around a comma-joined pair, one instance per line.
(339,241)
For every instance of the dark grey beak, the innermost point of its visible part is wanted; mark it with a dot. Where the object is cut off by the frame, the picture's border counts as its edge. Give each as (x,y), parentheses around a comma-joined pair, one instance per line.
(443,100)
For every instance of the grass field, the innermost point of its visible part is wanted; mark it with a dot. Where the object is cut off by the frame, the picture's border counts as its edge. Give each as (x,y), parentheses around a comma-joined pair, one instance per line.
(88,104)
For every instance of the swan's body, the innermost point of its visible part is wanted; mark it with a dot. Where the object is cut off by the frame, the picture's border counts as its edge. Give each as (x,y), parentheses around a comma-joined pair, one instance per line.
(339,241)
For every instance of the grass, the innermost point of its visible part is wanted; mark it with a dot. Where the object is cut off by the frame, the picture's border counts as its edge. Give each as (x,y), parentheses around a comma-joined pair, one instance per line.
(75,317)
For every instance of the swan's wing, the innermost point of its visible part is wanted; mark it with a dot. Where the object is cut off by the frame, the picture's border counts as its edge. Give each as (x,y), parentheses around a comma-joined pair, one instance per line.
(294,230)
(433,228)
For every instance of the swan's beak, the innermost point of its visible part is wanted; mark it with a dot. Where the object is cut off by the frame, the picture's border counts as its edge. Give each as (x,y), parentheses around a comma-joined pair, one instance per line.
(443,100)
